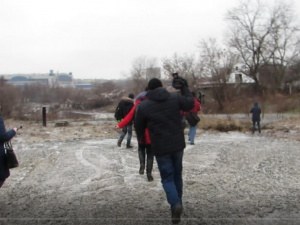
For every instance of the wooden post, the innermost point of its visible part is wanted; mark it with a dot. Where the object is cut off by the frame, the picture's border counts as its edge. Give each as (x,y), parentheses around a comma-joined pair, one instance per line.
(44,116)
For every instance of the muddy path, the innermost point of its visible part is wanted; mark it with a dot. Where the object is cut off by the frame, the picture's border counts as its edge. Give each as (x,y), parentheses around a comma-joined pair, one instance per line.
(229,178)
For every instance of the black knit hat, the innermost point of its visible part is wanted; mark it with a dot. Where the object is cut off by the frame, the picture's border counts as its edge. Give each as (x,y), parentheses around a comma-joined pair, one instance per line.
(131,96)
(154,83)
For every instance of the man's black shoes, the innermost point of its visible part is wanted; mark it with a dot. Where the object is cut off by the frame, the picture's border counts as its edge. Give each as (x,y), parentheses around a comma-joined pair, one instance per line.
(176,214)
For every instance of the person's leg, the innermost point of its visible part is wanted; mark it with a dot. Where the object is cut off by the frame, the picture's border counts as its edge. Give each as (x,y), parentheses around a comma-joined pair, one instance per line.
(141,151)
(192,134)
(258,126)
(149,162)
(253,127)
(123,133)
(129,130)
(166,169)
(177,163)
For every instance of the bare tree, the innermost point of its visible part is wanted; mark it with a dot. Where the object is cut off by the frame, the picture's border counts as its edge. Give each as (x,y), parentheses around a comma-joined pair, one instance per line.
(188,67)
(143,69)
(249,28)
(219,64)
(283,43)
(261,34)
(102,89)
(10,97)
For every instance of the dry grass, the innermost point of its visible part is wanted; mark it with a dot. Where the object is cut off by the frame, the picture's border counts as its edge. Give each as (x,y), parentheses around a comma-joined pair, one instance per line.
(223,125)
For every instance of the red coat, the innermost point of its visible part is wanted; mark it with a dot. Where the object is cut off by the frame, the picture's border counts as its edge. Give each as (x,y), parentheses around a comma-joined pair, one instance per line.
(197,106)
(129,117)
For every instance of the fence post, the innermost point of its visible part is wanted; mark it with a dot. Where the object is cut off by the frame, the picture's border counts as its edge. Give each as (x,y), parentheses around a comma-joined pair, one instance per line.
(44,116)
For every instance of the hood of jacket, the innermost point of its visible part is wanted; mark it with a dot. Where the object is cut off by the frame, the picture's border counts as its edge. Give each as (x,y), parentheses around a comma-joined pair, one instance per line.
(140,96)
(159,94)
(255,104)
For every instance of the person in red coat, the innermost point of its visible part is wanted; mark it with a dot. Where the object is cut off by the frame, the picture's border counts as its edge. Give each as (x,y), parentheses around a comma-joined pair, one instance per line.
(144,144)
(193,129)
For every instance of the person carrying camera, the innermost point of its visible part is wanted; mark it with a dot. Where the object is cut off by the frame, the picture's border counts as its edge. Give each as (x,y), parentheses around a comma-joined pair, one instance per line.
(160,113)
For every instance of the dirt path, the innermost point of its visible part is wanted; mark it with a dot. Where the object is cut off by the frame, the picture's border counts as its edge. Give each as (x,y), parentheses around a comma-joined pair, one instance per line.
(229,178)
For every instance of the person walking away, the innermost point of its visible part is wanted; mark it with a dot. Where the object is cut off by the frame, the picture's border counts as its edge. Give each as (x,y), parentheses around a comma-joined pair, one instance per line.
(4,136)
(193,129)
(256,111)
(144,145)
(126,105)
(160,113)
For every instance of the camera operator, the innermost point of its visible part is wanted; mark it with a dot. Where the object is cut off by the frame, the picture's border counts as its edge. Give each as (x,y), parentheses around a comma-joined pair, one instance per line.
(160,113)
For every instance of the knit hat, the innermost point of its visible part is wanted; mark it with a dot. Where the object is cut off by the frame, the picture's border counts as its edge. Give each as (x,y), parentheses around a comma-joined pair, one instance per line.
(131,96)
(154,83)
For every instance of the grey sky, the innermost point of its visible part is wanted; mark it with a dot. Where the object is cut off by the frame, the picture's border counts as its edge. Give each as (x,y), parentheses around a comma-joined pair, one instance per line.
(101,38)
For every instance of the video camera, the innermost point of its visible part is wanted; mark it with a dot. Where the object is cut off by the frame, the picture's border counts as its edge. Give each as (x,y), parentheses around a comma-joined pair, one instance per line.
(201,97)
(178,82)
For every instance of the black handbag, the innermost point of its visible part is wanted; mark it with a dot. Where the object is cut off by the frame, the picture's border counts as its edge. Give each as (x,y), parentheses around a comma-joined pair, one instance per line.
(11,157)
(192,118)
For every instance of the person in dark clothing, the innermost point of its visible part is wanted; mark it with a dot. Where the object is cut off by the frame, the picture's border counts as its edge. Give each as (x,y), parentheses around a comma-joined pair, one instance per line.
(160,114)
(256,111)
(127,104)
(4,136)
(144,146)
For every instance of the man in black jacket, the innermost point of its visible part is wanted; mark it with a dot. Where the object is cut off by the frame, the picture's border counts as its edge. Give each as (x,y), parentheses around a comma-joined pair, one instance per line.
(160,113)
(256,111)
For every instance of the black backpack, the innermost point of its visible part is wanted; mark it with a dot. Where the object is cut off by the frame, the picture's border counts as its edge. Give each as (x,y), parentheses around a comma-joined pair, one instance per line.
(119,111)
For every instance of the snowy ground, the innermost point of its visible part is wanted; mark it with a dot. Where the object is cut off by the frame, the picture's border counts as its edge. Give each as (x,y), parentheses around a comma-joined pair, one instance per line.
(77,175)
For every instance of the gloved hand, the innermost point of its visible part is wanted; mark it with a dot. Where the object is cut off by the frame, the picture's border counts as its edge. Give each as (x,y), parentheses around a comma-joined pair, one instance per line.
(179,83)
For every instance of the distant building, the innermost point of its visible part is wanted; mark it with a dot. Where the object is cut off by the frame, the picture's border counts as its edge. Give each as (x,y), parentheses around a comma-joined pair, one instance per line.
(51,79)
(83,86)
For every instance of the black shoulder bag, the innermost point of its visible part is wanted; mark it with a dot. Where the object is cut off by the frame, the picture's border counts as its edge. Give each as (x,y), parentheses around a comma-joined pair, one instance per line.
(11,157)
(192,118)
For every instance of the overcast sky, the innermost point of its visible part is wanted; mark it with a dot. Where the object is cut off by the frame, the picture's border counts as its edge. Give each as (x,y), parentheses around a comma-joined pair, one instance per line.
(101,38)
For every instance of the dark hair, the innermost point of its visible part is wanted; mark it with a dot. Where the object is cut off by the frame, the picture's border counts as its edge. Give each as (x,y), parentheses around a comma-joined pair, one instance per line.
(131,96)
(154,83)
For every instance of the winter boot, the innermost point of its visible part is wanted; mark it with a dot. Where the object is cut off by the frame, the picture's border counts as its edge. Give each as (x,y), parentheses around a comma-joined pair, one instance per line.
(142,161)
(149,168)
(119,142)
(176,213)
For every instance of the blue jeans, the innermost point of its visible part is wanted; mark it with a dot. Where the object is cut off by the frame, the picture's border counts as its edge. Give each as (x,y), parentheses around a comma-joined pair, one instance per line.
(170,168)
(192,133)
(126,129)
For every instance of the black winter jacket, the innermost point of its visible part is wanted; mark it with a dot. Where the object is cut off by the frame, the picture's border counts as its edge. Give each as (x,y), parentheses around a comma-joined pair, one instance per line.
(4,136)
(160,113)
(256,111)
(127,105)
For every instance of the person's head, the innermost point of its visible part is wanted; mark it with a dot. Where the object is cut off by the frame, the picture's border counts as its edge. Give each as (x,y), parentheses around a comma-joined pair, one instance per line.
(154,83)
(131,96)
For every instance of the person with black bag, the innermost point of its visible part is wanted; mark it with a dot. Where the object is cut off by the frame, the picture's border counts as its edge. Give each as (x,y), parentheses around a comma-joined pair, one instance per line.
(193,122)
(4,137)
